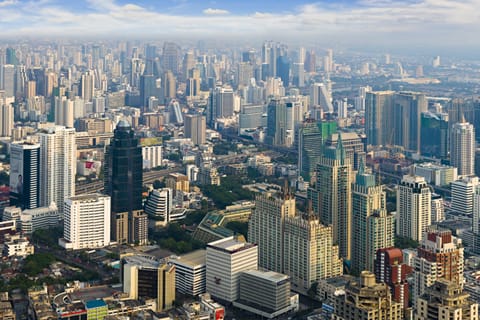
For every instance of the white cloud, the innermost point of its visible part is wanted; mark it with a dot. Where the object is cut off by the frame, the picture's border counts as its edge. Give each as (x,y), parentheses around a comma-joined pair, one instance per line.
(211,11)
(377,22)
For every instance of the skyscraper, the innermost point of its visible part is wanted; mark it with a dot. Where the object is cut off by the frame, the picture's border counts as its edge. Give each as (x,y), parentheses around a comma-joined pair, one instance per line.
(170,56)
(413,207)
(319,96)
(378,119)
(462,191)
(276,122)
(195,128)
(440,256)
(6,120)
(87,222)
(331,196)
(58,164)
(25,175)
(88,85)
(390,269)
(311,137)
(123,183)
(372,226)
(8,80)
(462,148)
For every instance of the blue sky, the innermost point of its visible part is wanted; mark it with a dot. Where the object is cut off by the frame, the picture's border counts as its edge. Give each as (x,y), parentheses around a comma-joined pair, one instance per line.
(362,22)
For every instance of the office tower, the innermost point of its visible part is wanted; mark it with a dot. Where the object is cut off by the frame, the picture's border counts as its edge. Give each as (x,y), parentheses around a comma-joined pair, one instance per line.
(137,68)
(390,269)
(11,56)
(244,74)
(276,122)
(190,272)
(372,226)
(438,209)
(476,211)
(319,96)
(298,75)
(6,120)
(64,112)
(169,85)
(436,62)
(170,56)
(58,163)
(269,59)
(86,222)
(250,117)
(462,195)
(223,103)
(462,148)
(194,82)
(152,156)
(195,128)
(353,144)
(311,137)
(146,278)
(378,119)
(446,300)
(266,228)
(265,293)
(331,196)
(413,207)
(309,251)
(439,256)
(88,85)
(226,260)
(159,204)
(8,80)
(25,175)
(188,62)
(310,61)
(177,182)
(148,88)
(367,300)
(407,110)
(123,183)
(283,70)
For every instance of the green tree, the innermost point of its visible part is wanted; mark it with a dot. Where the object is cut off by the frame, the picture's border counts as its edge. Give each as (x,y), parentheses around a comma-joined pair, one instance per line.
(35,263)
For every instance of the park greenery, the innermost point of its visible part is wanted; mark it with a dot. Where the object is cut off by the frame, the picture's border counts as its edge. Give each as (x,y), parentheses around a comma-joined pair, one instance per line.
(175,238)
(48,237)
(229,191)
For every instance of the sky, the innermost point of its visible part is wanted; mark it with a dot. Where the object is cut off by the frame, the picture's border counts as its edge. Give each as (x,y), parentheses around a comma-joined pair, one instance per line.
(362,23)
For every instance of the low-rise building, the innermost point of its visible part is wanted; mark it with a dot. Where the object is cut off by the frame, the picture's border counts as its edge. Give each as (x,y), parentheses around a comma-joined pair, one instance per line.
(18,246)
(190,273)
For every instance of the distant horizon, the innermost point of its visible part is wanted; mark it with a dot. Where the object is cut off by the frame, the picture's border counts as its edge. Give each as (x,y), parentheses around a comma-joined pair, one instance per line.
(423,26)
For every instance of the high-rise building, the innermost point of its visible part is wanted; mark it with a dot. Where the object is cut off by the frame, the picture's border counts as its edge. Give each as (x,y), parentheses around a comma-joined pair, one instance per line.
(224,102)
(310,61)
(446,300)
(311,137)
(64,111)
(390,269)
(476,211)
(6,120)
(147,278)
(169,84)
(276,122)
(319,96)
(88,85)
(267,227)
(25,175)
(195,128)
(160,203)
(372,226)
(434,135)
(226,259)
(378,119)
(58,163)
(440,256)
(170,56)
(462,148)
(310,254)
(123,183)
(413,207)
(462,195)
(367,300)
(354,145)
(331,196)
(86,222)
(191,272)
(8,80)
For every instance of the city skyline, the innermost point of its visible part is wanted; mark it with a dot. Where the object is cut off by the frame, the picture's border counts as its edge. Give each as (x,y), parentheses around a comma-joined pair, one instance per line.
(423,25)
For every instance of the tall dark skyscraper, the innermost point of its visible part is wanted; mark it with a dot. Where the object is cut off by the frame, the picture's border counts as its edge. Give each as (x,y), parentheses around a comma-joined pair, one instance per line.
(123,183)
(24,175)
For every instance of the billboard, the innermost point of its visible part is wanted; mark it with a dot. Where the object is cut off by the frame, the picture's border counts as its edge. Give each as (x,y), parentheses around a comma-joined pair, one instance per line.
(16,171)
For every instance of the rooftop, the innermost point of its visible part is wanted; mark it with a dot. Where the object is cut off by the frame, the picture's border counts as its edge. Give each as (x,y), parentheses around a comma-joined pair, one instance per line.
(192,259)
(267,275)
(230,244)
